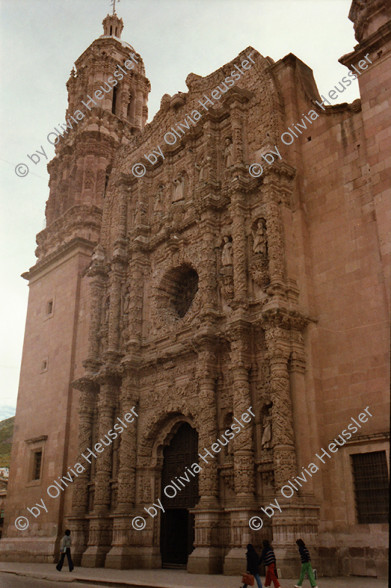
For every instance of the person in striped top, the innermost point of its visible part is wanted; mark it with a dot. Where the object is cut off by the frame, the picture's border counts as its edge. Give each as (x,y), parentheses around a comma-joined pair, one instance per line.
(269,559)
(306,567)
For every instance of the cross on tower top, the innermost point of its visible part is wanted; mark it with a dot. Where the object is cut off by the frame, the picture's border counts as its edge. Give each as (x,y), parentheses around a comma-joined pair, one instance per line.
(113,4)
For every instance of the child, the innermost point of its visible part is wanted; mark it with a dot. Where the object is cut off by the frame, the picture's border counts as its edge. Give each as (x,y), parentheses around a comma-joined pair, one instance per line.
(269,559)
(306,566)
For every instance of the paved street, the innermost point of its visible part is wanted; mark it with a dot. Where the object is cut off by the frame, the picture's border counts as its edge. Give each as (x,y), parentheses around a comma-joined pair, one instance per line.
(12,581)
(42,575)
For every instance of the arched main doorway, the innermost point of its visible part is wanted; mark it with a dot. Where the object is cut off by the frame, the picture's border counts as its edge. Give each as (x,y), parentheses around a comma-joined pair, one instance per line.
(177,523)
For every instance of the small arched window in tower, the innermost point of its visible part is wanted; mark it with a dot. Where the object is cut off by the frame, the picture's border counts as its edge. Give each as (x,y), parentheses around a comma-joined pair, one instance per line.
(107,177)
(111,31)
(106,184)
(114,104)
(129,113)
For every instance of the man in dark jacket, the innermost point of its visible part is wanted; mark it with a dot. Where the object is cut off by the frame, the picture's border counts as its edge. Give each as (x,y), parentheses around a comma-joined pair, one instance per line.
(252,564)
(65,550)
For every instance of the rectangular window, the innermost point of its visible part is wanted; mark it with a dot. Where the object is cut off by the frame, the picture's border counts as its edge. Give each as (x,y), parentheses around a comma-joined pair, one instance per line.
(370,475)
(49,307)
(37,462)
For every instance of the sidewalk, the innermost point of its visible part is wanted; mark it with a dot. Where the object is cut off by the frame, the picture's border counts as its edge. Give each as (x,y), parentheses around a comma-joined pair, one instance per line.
(163,578)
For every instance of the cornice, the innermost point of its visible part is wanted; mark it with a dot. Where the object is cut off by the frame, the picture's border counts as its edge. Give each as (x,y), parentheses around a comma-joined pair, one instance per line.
(374,42)
(58,256)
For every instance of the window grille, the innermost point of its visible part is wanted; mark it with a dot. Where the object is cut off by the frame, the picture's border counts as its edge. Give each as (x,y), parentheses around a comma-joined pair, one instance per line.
(37,465)
(370,475)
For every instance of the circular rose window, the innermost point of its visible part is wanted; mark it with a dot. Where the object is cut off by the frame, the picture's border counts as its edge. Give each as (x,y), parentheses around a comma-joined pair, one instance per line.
(178,289)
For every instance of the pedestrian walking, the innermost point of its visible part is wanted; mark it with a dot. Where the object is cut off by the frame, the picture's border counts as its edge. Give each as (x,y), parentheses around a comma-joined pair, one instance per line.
(252,564)
(65,550)
(269,559)
(306,567)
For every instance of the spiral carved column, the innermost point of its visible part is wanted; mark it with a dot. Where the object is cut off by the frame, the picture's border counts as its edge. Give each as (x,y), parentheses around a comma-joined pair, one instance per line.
(208,268)
(275,238)
(208,483)
(78,523)
(121,554)
(243,448)
(116,278)
(206,557)
(98,274)
(244,451)
(100,525)
(239,249)
(284,454)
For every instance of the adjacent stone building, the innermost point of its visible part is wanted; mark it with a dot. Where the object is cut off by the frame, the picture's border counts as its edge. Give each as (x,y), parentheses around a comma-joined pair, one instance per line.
(195,291)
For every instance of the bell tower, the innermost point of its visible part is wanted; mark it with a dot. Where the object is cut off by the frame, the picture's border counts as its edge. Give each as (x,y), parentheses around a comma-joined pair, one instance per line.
(107,107)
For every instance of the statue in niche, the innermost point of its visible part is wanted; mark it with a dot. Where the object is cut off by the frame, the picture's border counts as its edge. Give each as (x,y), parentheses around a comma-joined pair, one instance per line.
(259,237)
(226,270)
(267,435)
(201,168)
(126,301)
(139,213)
(159,199)
(106,309)
(228,153)
(226,254)
(259,268)
(179,189)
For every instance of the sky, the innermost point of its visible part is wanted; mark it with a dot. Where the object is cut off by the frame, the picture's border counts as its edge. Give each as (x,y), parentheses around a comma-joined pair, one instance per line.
(41,40)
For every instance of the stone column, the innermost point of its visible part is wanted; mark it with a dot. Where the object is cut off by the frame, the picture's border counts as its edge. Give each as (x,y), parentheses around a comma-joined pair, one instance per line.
(284,453)
(244,472)
(116,279)
(238,207)
(208,270)
(206,557)
(118,270)
(207,375)
(136,270)
(286,526)
(100,525)
(122,554)
(275,239)
(78,521)
(98,274)
(239,249)
(303,401)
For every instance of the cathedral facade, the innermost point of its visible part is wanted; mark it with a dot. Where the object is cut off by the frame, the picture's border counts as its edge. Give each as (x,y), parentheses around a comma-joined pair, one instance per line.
(190,291)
